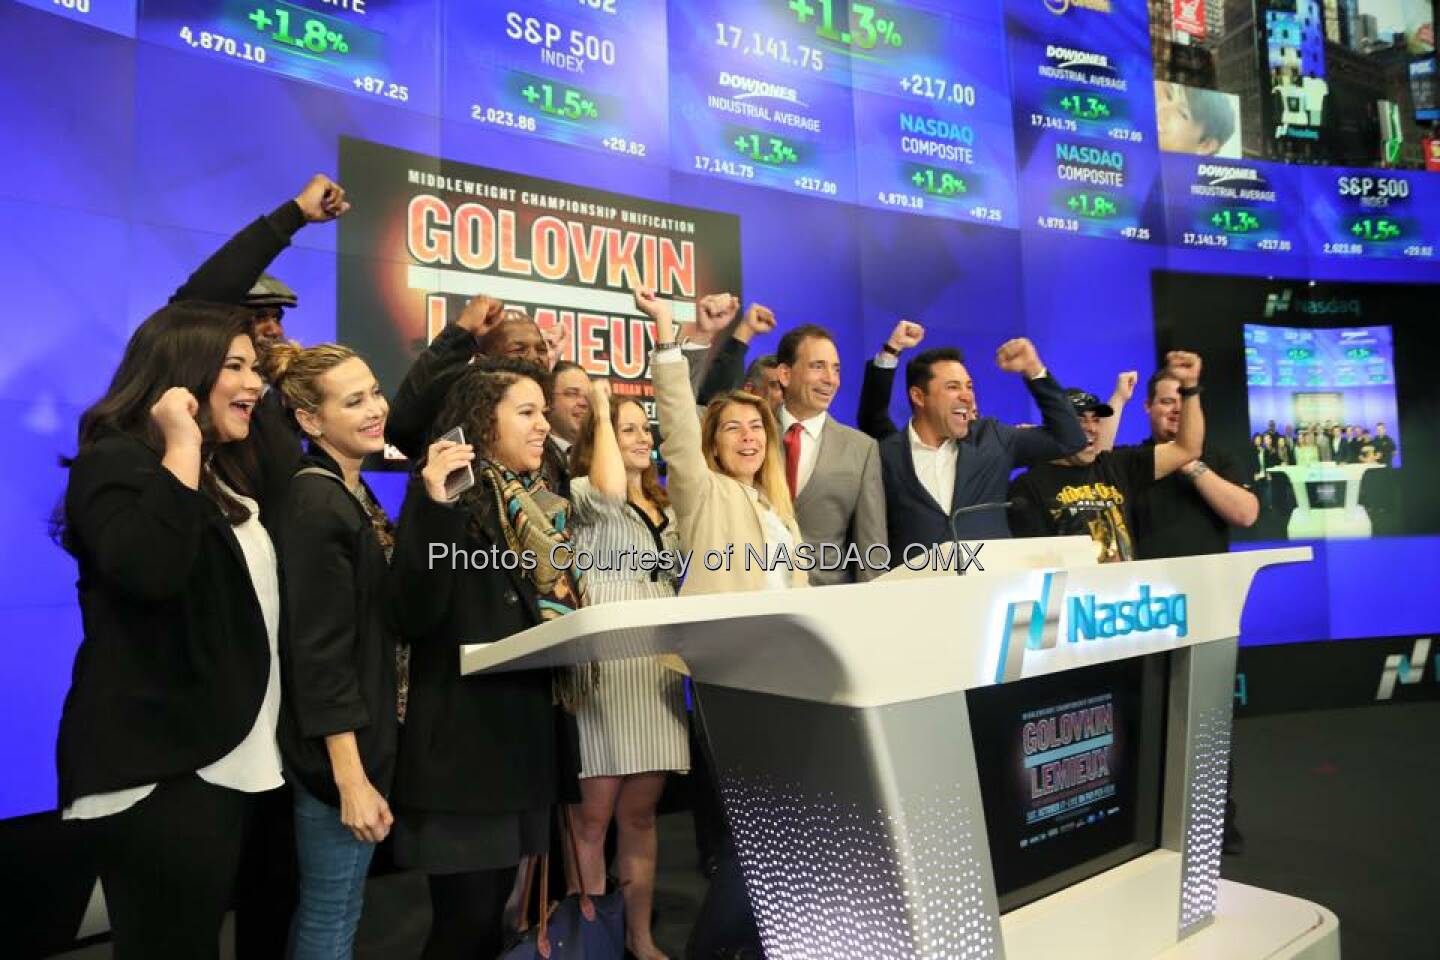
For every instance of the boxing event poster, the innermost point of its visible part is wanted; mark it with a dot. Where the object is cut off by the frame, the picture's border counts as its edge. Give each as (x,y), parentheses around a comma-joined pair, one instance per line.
(1063,781)
(434,232)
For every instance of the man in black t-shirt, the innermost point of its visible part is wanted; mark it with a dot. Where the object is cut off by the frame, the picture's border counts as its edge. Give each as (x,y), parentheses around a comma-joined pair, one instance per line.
(1191,512)
(1093,492)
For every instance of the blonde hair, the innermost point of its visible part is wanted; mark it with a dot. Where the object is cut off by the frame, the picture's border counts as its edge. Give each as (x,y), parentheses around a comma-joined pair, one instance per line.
(296,371)
(771,478)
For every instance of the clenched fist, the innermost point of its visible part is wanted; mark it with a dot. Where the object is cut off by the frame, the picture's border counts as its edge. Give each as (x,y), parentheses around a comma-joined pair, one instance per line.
(322,199)
(481,315)
(1019,356)
(905,336)
(174,414)
(1125,387)
(1186,367)
(714,313)
(758,320)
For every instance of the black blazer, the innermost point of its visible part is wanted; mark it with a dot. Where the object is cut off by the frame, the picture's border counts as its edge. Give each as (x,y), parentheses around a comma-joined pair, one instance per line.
(174,662)
(337,650)
(482,744)
(988,454)
(421,398)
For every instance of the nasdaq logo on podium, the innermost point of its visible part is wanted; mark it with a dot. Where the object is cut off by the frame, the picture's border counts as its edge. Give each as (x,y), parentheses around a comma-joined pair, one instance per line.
(1035,624)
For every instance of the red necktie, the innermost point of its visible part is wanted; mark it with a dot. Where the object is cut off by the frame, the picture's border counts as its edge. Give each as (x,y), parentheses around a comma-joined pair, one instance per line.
(792,458)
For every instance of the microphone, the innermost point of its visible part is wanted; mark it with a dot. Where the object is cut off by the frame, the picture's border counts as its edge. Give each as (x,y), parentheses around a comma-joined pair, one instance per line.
(963,511)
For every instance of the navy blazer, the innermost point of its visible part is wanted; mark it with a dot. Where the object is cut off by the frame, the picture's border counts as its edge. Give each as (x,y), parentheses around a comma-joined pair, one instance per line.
(988,454)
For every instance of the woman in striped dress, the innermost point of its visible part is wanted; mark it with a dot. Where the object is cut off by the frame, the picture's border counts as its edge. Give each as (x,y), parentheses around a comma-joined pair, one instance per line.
(632,726)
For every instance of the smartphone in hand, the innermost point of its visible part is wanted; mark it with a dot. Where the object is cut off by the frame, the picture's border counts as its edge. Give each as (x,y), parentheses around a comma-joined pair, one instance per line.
(462,479)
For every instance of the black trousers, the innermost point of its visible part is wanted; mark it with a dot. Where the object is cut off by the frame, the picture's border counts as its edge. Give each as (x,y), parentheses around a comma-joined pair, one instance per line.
(174,863)
(726,924)
(168,866)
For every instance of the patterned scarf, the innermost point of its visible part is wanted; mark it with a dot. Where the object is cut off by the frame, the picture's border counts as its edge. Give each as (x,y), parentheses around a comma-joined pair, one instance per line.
(534,519)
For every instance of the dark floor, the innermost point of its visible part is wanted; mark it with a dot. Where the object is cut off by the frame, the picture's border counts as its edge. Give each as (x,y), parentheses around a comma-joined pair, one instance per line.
(1338,807)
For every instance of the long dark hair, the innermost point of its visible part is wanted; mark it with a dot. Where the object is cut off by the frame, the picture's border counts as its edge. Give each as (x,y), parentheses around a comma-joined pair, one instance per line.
(180,345)
(583,453)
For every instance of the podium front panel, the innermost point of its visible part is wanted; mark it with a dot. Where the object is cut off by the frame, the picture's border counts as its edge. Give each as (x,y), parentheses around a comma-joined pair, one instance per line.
(860,831)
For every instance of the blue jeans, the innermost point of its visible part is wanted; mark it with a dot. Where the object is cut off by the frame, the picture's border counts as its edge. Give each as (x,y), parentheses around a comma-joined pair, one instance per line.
(333,867)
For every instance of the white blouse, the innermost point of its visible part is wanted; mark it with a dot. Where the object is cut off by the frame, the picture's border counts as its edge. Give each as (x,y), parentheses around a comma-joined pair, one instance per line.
(777,576)
(254,765)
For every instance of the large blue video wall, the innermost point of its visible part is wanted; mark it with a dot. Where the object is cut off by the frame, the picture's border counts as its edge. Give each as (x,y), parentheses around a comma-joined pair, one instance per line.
(991,168)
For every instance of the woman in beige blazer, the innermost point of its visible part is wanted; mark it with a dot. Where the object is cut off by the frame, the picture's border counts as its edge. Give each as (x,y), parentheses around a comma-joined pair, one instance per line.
(726,476)
(727,485)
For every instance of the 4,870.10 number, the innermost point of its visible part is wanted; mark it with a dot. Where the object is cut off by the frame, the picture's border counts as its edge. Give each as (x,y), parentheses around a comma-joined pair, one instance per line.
(205,40)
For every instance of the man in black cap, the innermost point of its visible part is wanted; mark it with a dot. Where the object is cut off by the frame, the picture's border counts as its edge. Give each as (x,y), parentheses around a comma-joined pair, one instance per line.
(1093,492)
(268,299)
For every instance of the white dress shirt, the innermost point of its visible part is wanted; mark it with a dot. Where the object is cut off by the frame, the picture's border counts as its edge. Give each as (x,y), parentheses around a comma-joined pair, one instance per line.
(935,466)
(254,764)
(809,443)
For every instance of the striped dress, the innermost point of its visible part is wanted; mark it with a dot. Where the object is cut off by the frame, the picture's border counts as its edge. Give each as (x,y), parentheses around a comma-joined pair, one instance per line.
(634,721)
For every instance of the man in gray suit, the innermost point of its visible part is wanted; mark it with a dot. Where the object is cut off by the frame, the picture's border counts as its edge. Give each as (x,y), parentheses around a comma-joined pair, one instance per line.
(833,470)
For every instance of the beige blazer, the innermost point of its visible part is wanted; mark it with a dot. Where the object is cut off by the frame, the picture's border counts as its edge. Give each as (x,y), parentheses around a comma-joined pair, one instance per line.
(714,511)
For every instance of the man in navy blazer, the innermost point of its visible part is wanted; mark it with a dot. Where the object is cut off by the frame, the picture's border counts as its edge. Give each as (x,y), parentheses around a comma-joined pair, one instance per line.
(946,472)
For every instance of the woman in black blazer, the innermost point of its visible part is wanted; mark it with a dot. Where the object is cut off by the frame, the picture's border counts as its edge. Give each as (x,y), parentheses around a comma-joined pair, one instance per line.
(477,774)
(338,719)
(167,738)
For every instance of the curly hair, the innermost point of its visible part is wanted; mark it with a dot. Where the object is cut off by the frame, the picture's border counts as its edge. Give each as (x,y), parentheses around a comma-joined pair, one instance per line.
(473,398)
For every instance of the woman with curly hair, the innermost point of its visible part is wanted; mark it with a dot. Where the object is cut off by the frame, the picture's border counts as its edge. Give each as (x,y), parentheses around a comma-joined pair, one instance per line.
(477,772)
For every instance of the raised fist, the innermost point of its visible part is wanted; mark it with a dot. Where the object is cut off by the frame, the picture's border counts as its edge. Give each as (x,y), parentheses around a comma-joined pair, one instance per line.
(714,313)
(759,319)
(481,315)
(1125,386)
(557,341)
(1019,356)
(322,199)
(174,414)
(600,395)
(906,335)
(1186,367)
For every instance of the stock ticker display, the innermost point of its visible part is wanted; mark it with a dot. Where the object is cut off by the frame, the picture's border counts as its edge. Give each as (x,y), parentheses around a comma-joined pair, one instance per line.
(1121,119)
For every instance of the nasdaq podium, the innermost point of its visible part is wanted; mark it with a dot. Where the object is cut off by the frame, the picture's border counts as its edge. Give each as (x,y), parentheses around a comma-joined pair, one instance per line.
(1025,762)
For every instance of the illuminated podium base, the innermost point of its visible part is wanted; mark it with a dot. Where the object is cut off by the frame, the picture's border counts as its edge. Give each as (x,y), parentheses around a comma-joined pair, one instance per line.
(1121,913)
(850,729)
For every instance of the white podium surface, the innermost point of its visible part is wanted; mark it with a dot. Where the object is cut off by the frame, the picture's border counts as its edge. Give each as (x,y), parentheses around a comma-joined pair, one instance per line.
(1348,520)
(841,736)
(1256,923)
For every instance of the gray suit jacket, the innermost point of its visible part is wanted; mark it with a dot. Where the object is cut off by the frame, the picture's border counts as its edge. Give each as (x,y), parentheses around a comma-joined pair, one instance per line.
(844,502)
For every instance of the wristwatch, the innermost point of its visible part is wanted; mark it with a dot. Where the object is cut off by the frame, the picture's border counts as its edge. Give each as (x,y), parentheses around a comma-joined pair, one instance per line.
(886,348)
(1194,391)
(1193,475)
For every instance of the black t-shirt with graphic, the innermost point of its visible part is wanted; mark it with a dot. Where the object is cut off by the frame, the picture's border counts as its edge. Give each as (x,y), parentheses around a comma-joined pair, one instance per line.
(1097,500)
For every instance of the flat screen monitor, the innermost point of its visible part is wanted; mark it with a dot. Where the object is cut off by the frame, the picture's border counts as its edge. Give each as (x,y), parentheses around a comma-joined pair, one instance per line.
(1325,494)
(1070,773)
